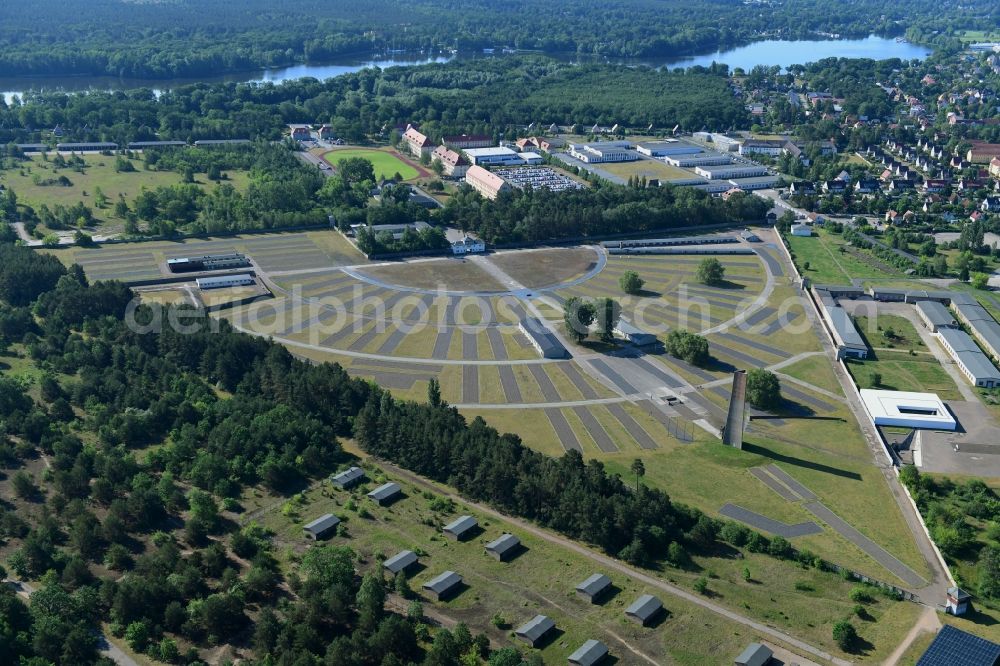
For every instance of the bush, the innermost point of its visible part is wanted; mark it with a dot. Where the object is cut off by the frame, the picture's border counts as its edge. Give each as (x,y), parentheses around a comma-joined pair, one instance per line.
(687,346)
(711,271)
(763,389)
(845,635)
(701,585)
(630,282)
(861,595)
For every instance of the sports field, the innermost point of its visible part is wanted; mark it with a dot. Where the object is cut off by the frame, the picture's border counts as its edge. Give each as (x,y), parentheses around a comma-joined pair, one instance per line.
(386,164)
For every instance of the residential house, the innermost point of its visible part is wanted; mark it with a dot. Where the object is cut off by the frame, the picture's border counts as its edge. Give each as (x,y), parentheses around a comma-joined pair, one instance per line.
(301,132)
(453,163)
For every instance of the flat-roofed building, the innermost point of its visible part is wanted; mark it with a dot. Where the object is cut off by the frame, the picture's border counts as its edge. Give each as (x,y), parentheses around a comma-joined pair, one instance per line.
(499,155)
(531,159)
(466,141)
(397,230)
(87,147)
(486,183)
(443,585)
(644,609)
(727,172)
(348,478)
(755,183)
(208,262)
(591,653)
(504,548)
(666,148)
(533,631)
(907,409)
(697,160)
(461,528)
(223,281)
(453,163)
(772,147)
(542,338)
(594,587)
(934,315)
(603,151)
(802,230)
(142,145)
(401,561)
(207,143)
(322,527)
(32,147)
(386,494)
(417,142)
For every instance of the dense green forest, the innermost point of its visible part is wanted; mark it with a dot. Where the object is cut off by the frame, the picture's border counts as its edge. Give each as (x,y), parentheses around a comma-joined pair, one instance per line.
(150,438)
(492,95)
(208,37)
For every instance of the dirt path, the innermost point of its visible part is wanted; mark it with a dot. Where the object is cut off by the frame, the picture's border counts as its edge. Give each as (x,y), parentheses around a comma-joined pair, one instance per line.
(621,567)
(927,622)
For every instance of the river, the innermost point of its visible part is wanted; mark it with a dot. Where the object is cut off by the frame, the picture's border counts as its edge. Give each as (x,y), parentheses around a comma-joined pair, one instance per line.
(770,52)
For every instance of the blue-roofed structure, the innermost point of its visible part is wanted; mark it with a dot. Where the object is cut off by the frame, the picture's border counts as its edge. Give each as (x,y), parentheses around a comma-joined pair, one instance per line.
(385,494)
(348,478)
(954,647)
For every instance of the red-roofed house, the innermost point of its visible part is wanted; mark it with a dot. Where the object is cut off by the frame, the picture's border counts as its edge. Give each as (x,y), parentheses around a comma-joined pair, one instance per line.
(454,164)
(487,184)
(982,152)
(417,142)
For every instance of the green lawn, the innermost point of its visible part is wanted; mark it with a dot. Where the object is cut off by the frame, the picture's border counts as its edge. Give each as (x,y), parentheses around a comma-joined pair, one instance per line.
(386,164)
(805,602)
(815,370)
(902,372)
(890,331)
(827,264)
(27,179)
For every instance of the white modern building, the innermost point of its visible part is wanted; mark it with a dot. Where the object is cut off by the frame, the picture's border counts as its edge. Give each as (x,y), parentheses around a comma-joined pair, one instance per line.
(907,409)
(801,230)
(496,155)
(603,151)
(665,148)
(698,159)
(726,172)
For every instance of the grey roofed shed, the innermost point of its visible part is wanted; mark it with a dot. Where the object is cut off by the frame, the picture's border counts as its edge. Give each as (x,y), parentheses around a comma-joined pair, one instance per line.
(504,547)
(543,339)
(401,561)
(443,585)
(593,587)
(934,314)
(320,527)
(755,654)
(644,608)
(590,653)
(460,527)
(973,312)
(958,340)
(386,492)
(535,629)
(348,478)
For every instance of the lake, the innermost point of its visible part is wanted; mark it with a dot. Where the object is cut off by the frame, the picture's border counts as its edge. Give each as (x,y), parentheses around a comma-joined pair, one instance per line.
(770,52)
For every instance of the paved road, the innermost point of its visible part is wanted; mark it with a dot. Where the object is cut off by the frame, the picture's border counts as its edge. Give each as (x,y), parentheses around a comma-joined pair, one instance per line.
(624,569)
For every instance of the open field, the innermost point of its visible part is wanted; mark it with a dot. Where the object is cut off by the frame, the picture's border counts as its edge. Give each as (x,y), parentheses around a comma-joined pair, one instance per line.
(902,372)
(541,580)
(456,274)
(817,371)
(827,263)
(386,164)
(271,251)
(647,168)
(536,269)
(29,178)
(903,335)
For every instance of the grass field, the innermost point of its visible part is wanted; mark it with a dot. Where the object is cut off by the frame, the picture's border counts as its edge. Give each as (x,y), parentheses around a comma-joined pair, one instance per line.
(98,172)
(903,335)
(385,163)
(449,274)
(803,601)
(815,370)
(647,168)
(827,264)
(543,268)
(902,372)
